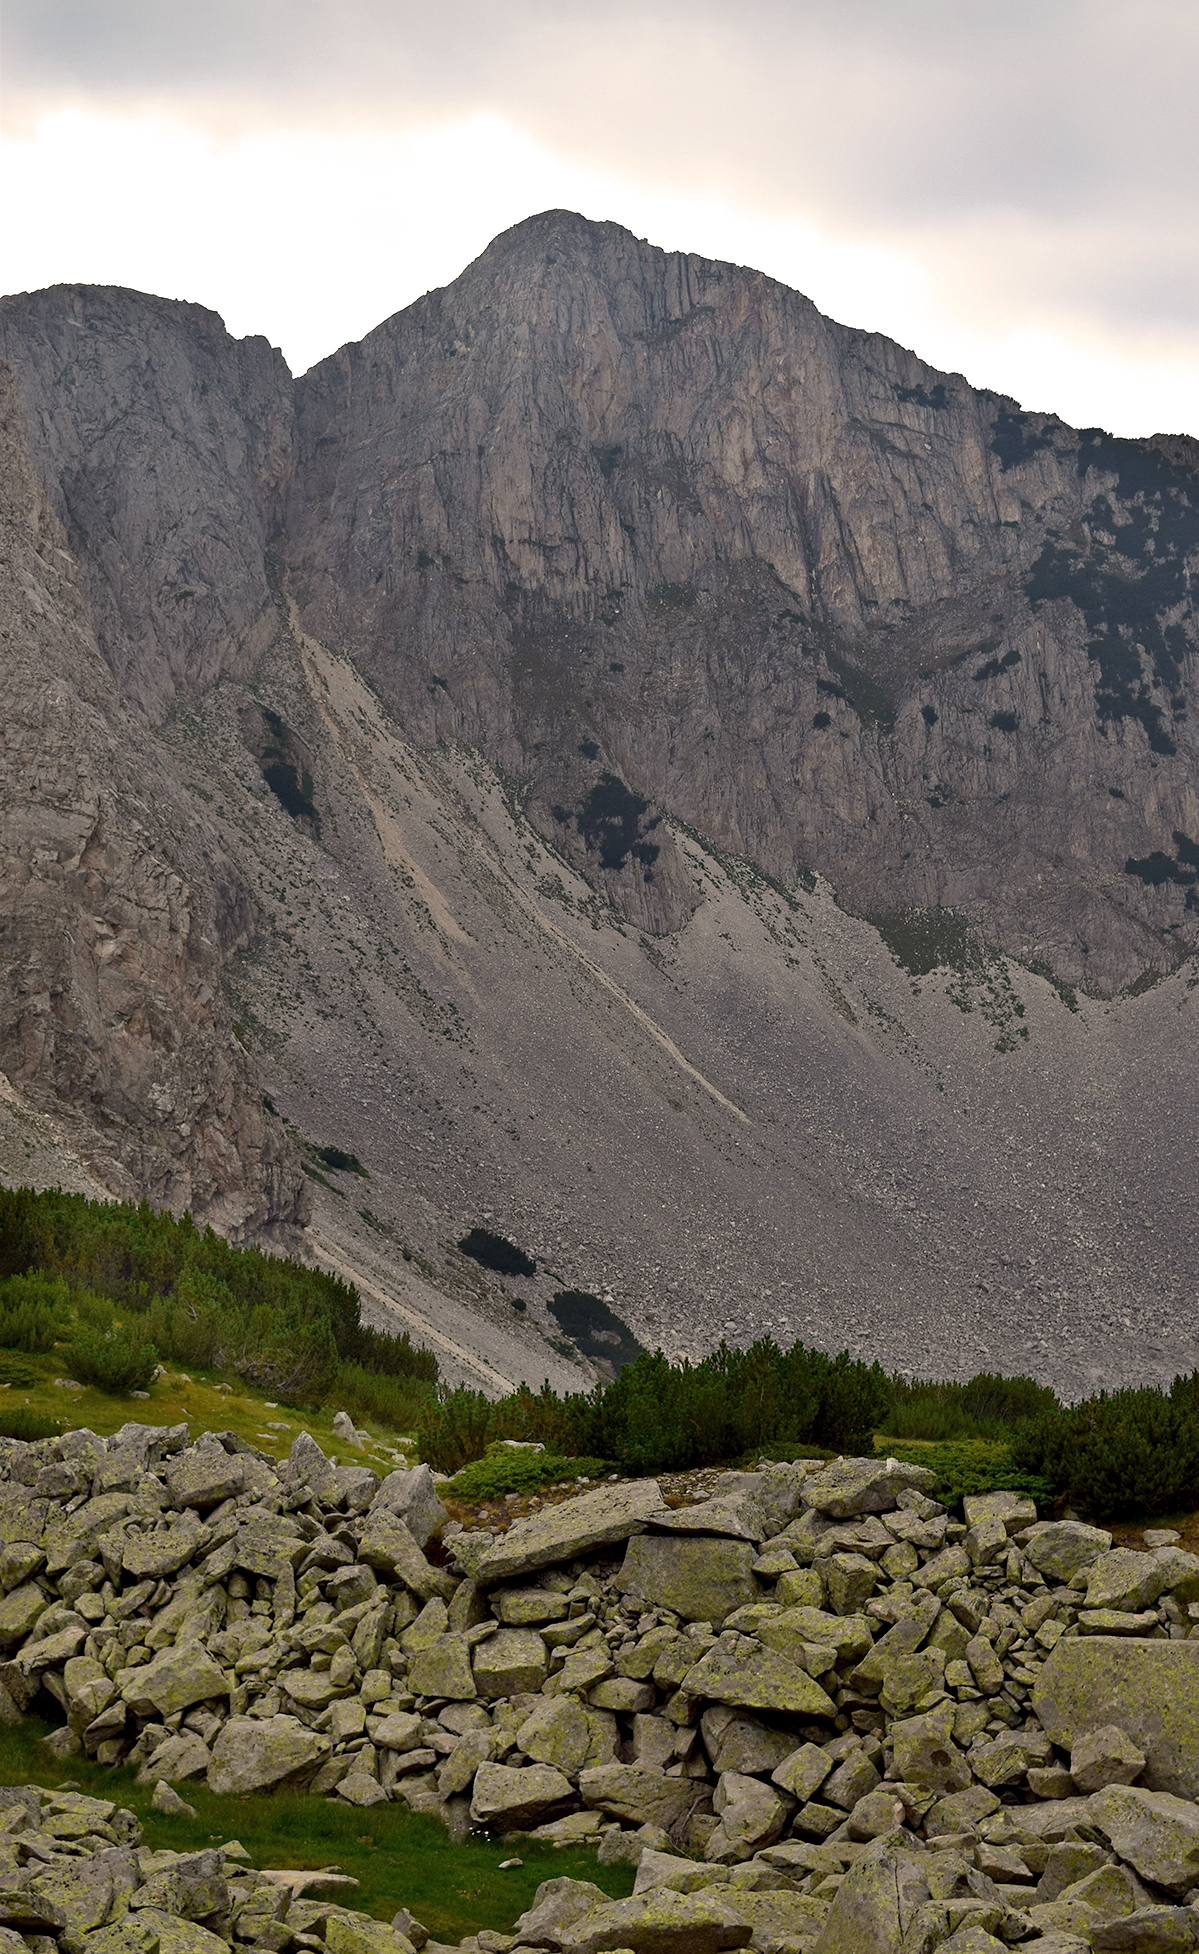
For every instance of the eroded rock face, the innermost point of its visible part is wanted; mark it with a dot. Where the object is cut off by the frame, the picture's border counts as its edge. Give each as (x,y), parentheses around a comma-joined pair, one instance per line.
(687,544)
(118,906)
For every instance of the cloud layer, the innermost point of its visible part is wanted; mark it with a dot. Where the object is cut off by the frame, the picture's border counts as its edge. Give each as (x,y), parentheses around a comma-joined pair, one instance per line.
(1010,188)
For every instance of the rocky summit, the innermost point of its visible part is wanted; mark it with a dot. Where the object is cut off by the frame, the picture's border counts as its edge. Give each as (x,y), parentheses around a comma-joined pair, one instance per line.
(626,760)
(816,1714)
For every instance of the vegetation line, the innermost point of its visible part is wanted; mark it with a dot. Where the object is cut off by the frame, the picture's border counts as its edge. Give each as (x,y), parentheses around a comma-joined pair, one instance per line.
(348,1273)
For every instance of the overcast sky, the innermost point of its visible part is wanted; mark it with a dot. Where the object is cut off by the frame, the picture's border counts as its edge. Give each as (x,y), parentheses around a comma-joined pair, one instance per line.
(1008,186)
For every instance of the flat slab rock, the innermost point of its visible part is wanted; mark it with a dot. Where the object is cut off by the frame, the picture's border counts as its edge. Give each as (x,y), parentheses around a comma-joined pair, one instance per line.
(558,1533)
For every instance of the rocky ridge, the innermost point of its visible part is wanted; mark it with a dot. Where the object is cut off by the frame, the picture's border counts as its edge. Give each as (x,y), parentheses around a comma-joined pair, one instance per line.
(813,1710)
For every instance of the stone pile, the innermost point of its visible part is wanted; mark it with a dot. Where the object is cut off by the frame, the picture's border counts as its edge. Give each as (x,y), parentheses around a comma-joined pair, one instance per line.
(812,1709)
(75,1878)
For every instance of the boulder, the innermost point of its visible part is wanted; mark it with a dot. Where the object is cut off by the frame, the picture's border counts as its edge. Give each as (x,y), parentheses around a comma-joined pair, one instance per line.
(172,1935)
(1013,1509)
(412,1497)
(576,1526)
(204,1475)
(802,1772)
(1108,1894)
(640,1797)
(510,1800)
(750,1677)
(736,1516)
(81,1893)
(876,1904)
(699,1577)
(174,1681)
(1150,1689)
(443,1669)
(561,1731)
(1105,1756)
(1181,1572)
(1151,1930)
(557,1904)
(1010,1757)
(926,1754)
(387,1546)
(848,1487)
(20,1612)
(510,1662)
(1060,1549)
(1153,1831)
(741,1743)
(528,1607)
(1125,1579)
(659,1922)
(254,1753)
(961,1811)
(849,1582)
(183,1756)
(751,1813)
(792,1629)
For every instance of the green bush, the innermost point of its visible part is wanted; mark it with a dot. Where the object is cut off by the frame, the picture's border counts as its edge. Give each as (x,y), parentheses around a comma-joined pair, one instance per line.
(1120,1454)
(113,1360)
(285,1328)
(396,1402)
(506,1471)
(974,1466)
(33,1312)
(28,1425)
(18,1369)
(663,1417)
(986,1407)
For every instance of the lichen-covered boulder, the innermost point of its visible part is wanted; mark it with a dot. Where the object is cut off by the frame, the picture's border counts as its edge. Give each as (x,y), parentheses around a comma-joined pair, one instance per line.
(512,1800)
(174,1681)
(747,1676)
(751,1813)
(926,1754)
(698,1576)
(576,1526)
(1155,1832)
(1125,1579)
(1105,1756)
(876,1904)
(1149,1688)
(412,1496)
(254,1753)
(848,1487)
(573,1737)
(511,1662)
(444,1669)
(1060,1549)
(660,1922)
(640,1797)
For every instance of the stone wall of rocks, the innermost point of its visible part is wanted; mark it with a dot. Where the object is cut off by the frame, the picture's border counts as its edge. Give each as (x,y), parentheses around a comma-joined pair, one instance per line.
(812,1699)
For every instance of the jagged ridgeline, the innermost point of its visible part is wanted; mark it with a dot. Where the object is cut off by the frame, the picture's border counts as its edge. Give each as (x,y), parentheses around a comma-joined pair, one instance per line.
(131,1286)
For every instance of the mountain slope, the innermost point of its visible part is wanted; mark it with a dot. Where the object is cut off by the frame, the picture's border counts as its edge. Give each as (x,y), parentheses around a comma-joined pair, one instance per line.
(646,766)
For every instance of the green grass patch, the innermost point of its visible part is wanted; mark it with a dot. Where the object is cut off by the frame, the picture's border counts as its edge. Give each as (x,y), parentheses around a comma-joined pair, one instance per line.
(399,1858)
(505,1469)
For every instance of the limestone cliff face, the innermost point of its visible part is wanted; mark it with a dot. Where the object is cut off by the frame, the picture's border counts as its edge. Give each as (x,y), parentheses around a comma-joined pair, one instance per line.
(163,445)
(117,907)
(619,515)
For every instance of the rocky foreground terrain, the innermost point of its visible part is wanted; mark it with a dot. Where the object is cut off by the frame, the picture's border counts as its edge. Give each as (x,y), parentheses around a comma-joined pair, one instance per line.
(811,1709)
(638,766)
